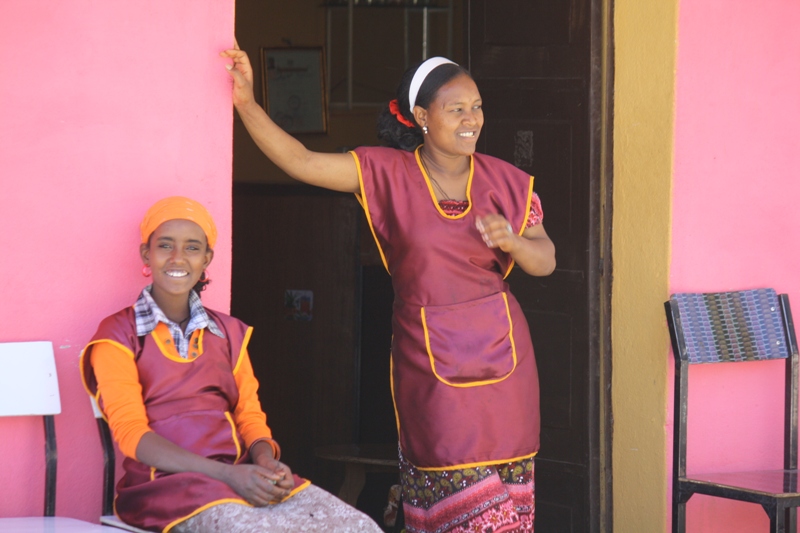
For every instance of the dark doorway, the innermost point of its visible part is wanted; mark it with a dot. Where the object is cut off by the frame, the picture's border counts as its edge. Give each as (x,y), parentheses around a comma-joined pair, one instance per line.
(376,422)
(537,65)
(300,238)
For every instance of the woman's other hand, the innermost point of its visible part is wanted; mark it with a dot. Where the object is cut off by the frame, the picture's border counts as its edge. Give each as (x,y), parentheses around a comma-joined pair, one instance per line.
(241,71)
(533,251)
(497,232)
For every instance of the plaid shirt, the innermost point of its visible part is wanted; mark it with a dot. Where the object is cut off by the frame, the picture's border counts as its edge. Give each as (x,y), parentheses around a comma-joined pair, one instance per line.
(148,315)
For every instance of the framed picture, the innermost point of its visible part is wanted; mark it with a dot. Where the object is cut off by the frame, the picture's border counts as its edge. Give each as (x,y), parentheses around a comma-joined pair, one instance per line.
(294,88)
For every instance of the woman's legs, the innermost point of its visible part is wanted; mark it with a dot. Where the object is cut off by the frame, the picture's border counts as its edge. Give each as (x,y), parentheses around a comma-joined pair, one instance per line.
(497,498)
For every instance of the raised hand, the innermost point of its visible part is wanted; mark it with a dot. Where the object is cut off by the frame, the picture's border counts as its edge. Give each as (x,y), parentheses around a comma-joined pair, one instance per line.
(241,72)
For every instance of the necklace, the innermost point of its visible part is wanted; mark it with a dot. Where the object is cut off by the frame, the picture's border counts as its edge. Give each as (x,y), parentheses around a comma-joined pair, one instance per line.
(427,171)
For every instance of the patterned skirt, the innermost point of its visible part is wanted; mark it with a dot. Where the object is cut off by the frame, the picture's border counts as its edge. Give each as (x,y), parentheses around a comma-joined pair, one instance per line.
(485,499)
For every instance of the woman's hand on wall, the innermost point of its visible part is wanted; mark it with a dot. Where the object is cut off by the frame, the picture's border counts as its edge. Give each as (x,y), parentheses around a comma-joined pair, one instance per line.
(241,71)
(337,172)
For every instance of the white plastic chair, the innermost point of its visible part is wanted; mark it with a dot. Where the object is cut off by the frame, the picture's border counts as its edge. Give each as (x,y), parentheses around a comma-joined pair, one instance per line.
(29,387)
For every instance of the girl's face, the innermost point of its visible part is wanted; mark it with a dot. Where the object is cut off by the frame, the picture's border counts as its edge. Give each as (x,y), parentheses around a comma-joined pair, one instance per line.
(178,253)
(455,117)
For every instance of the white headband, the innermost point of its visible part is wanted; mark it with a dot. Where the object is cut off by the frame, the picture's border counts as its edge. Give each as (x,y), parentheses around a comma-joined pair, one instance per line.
(420,75)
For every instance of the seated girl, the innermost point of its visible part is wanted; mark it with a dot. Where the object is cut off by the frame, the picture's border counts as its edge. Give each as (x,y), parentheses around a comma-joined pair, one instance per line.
(175,382)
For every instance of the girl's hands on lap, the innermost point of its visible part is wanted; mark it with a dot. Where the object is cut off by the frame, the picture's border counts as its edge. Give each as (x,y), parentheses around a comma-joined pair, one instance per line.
(258,485)
(281,473)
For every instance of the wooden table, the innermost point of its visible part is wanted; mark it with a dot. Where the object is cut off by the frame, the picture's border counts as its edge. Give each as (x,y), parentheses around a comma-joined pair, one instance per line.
(358,460)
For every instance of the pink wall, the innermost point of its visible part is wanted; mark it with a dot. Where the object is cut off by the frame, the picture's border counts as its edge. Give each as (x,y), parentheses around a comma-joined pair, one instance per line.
(104,108)
(735,222)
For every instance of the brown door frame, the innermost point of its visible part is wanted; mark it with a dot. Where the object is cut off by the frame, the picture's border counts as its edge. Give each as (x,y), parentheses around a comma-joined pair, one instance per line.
(601,421)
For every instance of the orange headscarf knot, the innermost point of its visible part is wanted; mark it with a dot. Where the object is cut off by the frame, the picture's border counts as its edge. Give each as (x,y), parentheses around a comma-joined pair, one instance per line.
(394,107)
(178,207)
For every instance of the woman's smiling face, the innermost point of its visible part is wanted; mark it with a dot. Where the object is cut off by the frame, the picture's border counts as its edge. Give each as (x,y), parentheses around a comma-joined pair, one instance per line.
(455,117)
(177,253)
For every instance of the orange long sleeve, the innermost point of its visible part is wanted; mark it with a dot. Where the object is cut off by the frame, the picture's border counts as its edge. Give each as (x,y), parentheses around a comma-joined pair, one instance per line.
(121,393)
(250,419)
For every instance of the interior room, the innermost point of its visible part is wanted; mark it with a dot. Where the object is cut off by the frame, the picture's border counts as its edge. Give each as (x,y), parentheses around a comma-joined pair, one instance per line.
(325,375)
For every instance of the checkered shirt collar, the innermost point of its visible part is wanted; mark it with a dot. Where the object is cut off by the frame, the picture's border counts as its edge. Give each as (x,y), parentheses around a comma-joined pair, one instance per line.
(148,315)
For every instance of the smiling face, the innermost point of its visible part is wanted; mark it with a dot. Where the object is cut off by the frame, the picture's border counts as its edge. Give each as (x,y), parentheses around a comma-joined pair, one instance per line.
(177,253)
(454,118)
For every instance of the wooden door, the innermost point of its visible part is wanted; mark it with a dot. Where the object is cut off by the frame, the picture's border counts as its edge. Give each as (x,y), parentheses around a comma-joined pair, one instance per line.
(532,61)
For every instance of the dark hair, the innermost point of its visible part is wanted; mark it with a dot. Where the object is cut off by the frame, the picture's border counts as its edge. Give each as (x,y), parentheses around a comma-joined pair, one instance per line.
(200,286)
(396,134)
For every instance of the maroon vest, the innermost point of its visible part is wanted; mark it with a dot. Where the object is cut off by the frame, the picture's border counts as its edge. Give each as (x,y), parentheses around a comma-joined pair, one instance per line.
(464,377)
(189,403)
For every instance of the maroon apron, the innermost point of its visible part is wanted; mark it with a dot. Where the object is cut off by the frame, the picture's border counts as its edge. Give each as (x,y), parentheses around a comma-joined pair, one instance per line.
(464,377)
(189,403)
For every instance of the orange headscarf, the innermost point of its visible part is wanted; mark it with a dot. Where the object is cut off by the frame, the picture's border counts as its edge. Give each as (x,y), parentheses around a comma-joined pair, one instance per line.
(178,207)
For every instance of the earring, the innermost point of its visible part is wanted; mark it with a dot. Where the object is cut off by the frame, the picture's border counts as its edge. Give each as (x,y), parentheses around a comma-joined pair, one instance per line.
(425,130)
(204,277)
(146,272)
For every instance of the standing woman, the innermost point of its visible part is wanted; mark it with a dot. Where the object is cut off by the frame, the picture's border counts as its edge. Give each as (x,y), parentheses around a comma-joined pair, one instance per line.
(174,381)
(449,224)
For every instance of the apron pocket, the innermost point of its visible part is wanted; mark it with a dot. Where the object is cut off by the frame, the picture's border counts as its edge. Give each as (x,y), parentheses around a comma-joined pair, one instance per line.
(472,343)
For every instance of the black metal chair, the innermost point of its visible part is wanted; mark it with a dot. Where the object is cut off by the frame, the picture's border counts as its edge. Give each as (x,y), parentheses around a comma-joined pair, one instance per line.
(728,327)
(108,517)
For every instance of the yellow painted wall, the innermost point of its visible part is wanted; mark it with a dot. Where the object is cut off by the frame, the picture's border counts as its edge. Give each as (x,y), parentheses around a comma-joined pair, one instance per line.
(645,48)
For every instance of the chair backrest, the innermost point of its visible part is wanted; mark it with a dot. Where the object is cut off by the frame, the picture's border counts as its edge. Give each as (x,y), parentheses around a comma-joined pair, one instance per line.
(728,327)
(109,464)
(29,387)
(109,459)
(28,380)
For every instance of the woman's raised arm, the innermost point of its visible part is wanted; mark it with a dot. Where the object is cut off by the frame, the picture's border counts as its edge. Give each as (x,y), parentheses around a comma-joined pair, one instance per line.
(331,171)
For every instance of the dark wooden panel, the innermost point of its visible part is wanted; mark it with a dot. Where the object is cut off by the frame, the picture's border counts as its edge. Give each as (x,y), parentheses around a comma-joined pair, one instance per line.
(554,361)
(376,422)
(541,128)
(300,239)
(514,39)
(556,310)
(532,23)
(560,498)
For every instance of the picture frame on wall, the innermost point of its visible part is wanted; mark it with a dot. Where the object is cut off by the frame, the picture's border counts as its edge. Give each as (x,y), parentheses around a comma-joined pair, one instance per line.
(294,95)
